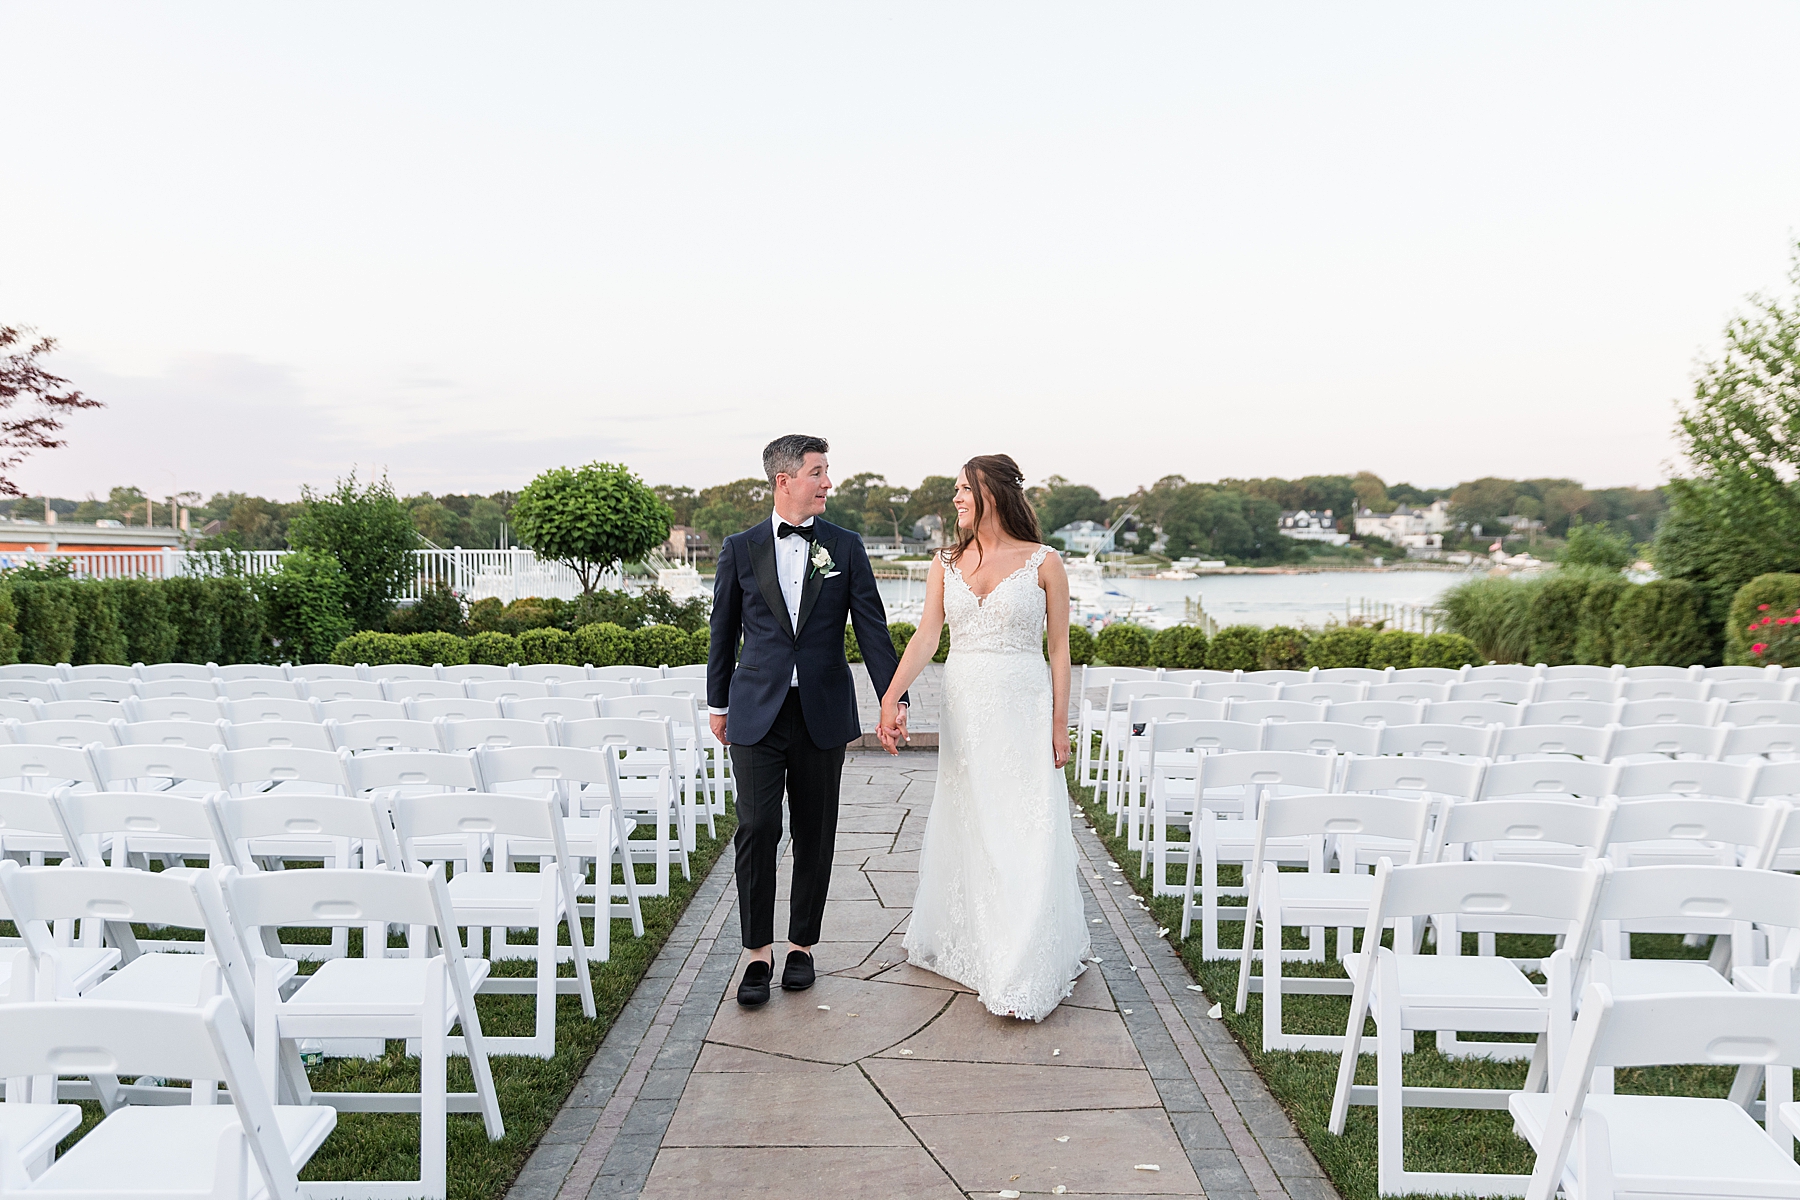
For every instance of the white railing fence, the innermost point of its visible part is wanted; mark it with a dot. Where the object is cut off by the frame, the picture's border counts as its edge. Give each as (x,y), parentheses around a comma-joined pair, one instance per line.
(473,574)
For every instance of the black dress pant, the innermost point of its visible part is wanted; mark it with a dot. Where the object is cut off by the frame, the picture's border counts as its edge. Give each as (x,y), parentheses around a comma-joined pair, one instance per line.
(786,760)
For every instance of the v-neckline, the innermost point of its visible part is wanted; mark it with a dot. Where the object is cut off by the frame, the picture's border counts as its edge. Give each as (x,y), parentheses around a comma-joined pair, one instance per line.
(981,599)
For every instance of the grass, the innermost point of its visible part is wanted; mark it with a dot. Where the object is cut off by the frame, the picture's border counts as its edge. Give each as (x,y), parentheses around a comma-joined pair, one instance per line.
(531,1090)
(1302,1082)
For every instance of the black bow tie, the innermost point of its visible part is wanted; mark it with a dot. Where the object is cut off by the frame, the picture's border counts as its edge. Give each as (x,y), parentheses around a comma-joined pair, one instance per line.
(805,531)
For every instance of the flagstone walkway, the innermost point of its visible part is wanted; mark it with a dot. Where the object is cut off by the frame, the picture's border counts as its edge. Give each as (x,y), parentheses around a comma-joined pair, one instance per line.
(888,1081)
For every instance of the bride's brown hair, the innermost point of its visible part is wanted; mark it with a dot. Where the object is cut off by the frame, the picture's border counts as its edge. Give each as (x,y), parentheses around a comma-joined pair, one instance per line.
(998,476)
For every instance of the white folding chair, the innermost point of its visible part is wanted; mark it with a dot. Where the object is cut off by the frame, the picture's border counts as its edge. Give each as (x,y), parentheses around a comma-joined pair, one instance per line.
(1376,712)
(1597,1146)
(159,672)
(1558,833)
(429,688)
(260,689)
(1317,898)
(682,713)
(111,690)
(323,672)
(690,671)
(177,689)
(81,710)
(556,674)
(1236,691)
(1634,690)
(1112,723)
(382,735)
(399,673)
(259,769)
(128,829)
(1696,832)
(1709,780)
(1641,741)
(502,690)
(20,710)
(1231,788)
(1474,712)
(1750,691)
(31,833)
(502,899)
(1512,672)
(1763,712)
(1424,740)
(174,708)
(1365,675)
(201,734)
(1277,678)
(562,708)
(328,691)
(1586,780)
(1670,712)
(345,712)
(247,1147)
(1583,671)
(1600,690)
(1276,711)
(1777,781)
(645,760)
(1324,693)
(453,708)
(306,735)
(585,784)
(1321,737)
(38,672)
(241,671)
(26,689)
(1139,715)
(420,997)
(1555,741)
(1493,691)
(1590,713)
(65,733)
(456,736)
(271,708)
(158,768)
(1451,993)
(592,690)
(475,673)
(1169,750)
(36,767)
(412,771)
(1191,675)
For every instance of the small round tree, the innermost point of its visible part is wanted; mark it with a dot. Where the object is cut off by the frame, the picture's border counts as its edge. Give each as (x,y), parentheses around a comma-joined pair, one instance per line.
(589,518)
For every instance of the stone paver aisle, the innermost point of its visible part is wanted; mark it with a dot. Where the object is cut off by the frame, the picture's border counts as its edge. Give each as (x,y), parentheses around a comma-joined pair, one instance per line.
(888,1081)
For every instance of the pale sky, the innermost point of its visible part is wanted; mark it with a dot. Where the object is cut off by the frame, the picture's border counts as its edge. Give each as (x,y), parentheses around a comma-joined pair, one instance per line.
(470,242)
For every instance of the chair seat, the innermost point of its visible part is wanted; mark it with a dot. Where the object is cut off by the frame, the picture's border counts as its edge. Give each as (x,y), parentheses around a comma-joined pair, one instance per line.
(1754,978)
(374,985)
(1337,889)
(1681,1145)
(173,1148)
(156,979)
(1654,976)
(77,968)
(1461,981)
(34,1129)
(520,891)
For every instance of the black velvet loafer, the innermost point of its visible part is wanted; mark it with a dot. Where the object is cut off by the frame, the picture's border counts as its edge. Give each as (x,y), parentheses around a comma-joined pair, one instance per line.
(754,989)
(797,976)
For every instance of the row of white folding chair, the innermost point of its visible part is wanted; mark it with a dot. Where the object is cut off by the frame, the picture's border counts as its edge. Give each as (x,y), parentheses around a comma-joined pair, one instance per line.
(1404,991)
(428,687)
(466,827)
(419,997)
(161,672)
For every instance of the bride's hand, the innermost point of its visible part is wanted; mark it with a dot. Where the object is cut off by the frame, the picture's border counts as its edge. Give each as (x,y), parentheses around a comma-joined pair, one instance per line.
(889,730)
(1059,747)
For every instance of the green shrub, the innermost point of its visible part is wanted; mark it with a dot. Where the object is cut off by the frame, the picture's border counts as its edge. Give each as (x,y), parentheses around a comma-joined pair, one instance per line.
(1178,647)
(659,646)
(486,615)
(1764,596)
(1775,638)
(900,633)
(98,636)
(1553,614)
(1123,644)
(699,645)
(196,621)
(375,649)
(603,644)
(243,622)
(1345,647)
(9,633)
(437,611)
(943,650)
(1396,648)
(1594,633)
(306,607)
(1235,648)
(1661,624)
(150,637)
(46,618)
(494,649)
(547,644)
(1081,646)
(852,652)
(1283,649)
(1494,613)
(1450,650)
(436,648)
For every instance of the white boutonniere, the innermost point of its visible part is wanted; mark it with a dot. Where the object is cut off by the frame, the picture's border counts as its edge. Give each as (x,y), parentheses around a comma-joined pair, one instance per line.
(821,560)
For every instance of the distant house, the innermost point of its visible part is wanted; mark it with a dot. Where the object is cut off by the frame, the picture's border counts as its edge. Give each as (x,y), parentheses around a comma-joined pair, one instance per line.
(687,544)
(1086,537)
(1413,528)
(1312,525)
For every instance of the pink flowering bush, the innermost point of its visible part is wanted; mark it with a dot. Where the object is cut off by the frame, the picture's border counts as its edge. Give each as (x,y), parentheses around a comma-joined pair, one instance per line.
(1774,637)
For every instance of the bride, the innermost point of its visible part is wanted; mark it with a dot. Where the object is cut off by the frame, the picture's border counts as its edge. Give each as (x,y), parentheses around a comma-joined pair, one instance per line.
(998,907)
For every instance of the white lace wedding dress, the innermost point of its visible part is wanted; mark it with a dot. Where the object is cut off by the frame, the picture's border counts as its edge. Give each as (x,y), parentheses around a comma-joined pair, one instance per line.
(999,906)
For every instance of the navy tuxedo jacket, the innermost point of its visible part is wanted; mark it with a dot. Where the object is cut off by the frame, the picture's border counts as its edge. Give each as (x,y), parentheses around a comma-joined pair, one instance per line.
(747,603)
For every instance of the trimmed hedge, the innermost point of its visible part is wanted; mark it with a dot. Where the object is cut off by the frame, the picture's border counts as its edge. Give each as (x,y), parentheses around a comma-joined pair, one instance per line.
(601,644)
(1178,648)
(1122,644)
(1081,646)
(549,645)
(494,649)
(1235,648)
(1396,648)
(1765,595)
(1594,628)
(1346,647)
(1283,649)
(1663,622)
(1451,650)
(1584,615)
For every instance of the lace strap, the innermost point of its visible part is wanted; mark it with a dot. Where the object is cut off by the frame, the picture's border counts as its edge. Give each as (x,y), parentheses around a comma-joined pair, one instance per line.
(1037,558)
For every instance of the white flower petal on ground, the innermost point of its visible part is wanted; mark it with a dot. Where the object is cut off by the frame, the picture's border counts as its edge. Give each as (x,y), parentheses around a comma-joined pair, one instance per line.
(1194,987)
(1058,1190)
(1216,1012)
(1063,1138)
(1146,1167)
(1162,931)
(824,1008)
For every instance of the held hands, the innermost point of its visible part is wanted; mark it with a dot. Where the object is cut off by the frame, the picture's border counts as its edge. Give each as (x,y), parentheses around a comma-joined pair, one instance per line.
(892,730)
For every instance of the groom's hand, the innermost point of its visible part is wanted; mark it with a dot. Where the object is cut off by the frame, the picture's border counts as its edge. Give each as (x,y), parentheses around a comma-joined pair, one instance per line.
(718,727)
(900,722)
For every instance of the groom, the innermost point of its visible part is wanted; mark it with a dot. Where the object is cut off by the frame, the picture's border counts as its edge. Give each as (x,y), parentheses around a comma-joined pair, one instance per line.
(785,703)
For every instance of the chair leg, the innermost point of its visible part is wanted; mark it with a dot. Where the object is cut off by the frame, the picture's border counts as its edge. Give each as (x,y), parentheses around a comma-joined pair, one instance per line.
(434,1103)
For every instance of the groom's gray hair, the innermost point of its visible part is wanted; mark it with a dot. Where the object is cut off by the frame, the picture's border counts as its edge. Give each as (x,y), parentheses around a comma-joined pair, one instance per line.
(787,454)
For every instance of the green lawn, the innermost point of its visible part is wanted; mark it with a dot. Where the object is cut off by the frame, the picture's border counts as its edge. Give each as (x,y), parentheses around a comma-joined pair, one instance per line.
(1436,1139)
(531,1090)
